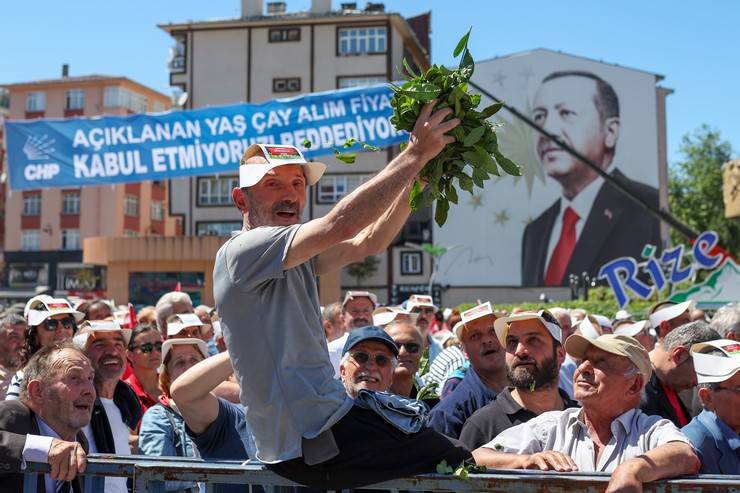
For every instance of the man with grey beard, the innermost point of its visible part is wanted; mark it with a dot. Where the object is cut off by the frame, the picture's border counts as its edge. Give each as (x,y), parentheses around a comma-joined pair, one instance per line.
(534,354)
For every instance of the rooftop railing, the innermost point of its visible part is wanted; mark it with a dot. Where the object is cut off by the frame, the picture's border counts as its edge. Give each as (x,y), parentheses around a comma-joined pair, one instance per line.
(149,475)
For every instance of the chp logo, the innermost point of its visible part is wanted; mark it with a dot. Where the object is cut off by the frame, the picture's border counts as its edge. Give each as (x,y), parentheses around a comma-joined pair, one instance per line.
(38,148)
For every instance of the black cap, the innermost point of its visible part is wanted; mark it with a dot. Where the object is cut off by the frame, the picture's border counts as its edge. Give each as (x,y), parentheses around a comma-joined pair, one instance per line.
(369,333)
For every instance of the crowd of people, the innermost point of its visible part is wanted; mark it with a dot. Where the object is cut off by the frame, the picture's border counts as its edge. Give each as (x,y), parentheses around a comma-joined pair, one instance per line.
(355,393)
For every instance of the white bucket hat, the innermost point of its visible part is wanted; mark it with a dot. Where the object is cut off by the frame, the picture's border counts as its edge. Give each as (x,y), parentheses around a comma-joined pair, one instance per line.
(39,308)
(276,155)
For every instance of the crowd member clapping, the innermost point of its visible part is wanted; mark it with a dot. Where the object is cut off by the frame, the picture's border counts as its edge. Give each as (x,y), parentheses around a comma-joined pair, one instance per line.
(49,320)
(145,357)
(163,427)
(12,337)
(609,434)
(44,425)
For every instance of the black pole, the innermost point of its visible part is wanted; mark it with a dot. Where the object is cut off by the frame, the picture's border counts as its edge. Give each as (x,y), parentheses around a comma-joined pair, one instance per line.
(661,214)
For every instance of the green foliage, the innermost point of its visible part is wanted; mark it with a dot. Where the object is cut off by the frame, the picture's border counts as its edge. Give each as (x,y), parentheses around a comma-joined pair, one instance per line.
(474,156)
(363,270)
(462,471)
(695,187)
(424,363)
(428,391)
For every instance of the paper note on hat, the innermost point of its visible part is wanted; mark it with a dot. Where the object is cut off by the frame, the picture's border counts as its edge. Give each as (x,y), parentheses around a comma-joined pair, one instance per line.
(276,155)
(417,300)
(360,294)
(477,312)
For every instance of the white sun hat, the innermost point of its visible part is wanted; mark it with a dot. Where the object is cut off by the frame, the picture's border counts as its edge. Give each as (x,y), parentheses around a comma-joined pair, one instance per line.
(89,327)
(669,312)
(384,315)
(502,324)
(39,308)
(631,330)
(360,294)
(276,155)
(176,323)
(419,300)
(167,347)
(479,311)
(714,368)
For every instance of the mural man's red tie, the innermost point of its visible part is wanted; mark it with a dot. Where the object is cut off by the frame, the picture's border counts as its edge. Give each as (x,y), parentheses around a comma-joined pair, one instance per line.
(563,250)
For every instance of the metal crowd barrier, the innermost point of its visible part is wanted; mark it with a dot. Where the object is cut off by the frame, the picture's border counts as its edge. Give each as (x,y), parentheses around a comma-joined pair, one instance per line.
(149,474)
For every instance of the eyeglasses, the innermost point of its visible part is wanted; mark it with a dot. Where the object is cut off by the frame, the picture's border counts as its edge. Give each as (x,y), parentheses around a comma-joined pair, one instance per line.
(361,358)
(52,324)
(411,347)
(148,347)
(425,310)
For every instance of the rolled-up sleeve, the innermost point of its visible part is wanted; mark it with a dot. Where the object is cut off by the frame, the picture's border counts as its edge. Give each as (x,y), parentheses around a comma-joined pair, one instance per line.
(664,431)
(520,439)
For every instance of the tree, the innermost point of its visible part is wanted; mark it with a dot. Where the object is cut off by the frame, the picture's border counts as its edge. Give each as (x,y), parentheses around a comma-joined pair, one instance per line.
(695,187)
(363,270)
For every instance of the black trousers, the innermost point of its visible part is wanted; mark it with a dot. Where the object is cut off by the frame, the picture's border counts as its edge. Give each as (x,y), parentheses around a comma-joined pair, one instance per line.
(370,451)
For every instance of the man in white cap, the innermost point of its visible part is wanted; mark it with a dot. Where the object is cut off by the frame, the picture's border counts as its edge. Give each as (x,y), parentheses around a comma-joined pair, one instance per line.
(609,434)
(485,378)
(305,426)
(357,311)
(674,372)
(117,411)
(715,432)
(424,309)
(184,326)
(665,316)
(638,330)
(534,353)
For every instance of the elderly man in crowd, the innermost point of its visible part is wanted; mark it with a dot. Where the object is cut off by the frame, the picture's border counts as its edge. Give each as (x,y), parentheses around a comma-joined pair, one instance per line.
(726,321)
(410,343)
(333,321)
(610,434)
(533,357)
(207,334)
(424,309)
(184,326)
(665,316)
(117,410)
(715,432)
(172,303)
(485,378)
(674,372)
(639,331)
(357,311)
(12,338)
(369,359)
(44,425)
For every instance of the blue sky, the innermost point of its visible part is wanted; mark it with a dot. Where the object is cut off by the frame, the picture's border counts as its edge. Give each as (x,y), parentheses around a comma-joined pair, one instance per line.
(693,44)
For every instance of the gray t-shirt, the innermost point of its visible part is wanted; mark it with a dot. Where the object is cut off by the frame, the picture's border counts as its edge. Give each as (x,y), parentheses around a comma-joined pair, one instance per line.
(272,324)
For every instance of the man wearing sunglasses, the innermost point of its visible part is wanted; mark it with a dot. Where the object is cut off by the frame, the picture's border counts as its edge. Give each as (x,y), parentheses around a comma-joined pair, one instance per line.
(369,359)
(406,383)
(306,427)
(715,433)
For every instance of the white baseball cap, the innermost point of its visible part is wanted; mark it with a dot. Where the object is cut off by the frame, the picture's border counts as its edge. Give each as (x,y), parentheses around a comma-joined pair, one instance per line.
(714,368)
(479,311)
(631,330)
(88,327)
(39,308)
(384,315)
(360,294)
(502,324)
(276,155)
(669,312)
(419,300)
(177,323)
(167,347)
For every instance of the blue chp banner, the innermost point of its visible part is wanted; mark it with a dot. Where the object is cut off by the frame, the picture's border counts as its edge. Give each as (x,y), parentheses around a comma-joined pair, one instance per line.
(120,149)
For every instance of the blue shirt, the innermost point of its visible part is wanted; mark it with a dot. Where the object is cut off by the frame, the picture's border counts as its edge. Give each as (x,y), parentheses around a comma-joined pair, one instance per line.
(717,445)
(449,416)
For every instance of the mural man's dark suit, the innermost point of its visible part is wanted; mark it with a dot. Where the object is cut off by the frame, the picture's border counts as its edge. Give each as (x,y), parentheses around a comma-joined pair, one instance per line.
(615,227)
(16,421)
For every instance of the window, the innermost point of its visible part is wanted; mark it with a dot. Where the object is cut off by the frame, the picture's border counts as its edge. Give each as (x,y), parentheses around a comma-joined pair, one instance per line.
(130,233)
(157,211)
(70,239)
(32,205)
(30,239)
(361,40)
(217,229)
(36,101)
(158,107)
(71,203)
(118,97)
(178,53)
(333,187)
(292,84)
(347,82)
(75,99)
(411,263)
(280,35)
(216,191)
(131,205)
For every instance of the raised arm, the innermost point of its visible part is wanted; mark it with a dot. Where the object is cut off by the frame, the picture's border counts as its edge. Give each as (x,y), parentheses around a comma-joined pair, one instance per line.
(192,391)
(666,461)
(368,202)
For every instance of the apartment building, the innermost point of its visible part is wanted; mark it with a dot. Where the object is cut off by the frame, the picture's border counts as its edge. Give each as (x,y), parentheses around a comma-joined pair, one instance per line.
(44,229)
(270,53)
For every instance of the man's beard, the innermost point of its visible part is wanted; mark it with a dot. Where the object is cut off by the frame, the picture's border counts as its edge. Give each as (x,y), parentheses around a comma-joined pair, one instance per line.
(541,376)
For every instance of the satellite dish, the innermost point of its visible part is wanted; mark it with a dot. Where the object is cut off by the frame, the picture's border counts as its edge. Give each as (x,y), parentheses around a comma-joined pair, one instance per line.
(182,99)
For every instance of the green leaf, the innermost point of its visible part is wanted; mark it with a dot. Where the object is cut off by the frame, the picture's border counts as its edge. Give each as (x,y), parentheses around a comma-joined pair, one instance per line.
(408,68)
(444,468)
(440,211)
(415,195)
(462,472)
(424,363)
(488,163)
(306,143)
(420,92)
(451,193)
(349,143)
(369,147)
(346,158)
(466,183)
(508,165)
(474,136)
(462,44)
(467,65)
(489,111)
(428,391)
